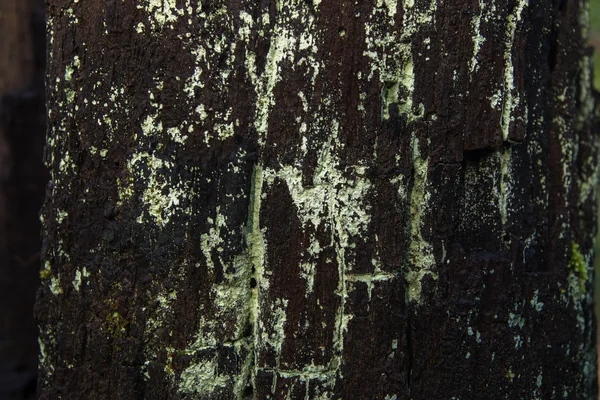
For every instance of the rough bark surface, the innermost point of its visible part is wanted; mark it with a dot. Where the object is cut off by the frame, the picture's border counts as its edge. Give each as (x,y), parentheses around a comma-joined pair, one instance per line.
(319,200)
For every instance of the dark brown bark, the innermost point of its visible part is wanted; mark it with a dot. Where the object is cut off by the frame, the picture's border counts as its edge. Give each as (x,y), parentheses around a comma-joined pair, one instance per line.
(324,200)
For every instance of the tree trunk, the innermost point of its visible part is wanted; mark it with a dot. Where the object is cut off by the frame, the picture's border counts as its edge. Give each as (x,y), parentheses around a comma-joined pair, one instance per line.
(319,200)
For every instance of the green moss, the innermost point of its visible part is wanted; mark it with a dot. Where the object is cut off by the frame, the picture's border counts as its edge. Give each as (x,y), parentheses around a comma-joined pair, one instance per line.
(578,265)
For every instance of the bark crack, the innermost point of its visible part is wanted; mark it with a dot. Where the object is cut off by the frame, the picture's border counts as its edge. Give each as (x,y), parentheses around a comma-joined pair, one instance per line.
(256,253)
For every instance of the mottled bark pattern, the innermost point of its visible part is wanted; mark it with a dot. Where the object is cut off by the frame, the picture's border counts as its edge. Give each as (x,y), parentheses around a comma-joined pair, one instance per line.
(378,199)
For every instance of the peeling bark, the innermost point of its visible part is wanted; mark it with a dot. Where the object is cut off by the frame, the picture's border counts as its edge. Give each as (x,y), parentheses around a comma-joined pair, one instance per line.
(383,199)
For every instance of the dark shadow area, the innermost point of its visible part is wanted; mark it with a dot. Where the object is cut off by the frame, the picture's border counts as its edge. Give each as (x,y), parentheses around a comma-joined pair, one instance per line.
(22,185)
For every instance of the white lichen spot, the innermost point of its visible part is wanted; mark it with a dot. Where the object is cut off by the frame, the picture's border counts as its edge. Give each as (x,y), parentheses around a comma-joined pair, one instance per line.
(518,341)
(332,199)
(538,305)
(161,12)
(55,287)
(77,280)
(212,240)
(371,279)
(68,73)
(391,5)
(61,215)
(516,320)
(245,26)
(163,192)
(175,134)
(150,126)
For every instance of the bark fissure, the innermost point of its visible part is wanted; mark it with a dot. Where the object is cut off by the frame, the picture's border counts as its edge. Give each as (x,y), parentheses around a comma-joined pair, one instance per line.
(256,249)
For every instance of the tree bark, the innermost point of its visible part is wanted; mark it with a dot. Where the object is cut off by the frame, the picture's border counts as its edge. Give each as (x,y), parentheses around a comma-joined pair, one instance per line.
(319,200)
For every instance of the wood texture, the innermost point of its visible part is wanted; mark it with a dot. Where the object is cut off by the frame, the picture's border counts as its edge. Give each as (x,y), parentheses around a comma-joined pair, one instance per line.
(319,200)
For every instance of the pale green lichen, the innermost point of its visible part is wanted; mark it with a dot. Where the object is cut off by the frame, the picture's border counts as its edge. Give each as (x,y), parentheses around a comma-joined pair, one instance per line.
(161,313)
(510,99)
(246,23)
(162,193)
(212,240)
(391,5)
(370,279)
(61,215)
(254,236)
(535,303)
(518,342)
(503,187)
(273,334)
(161,12)
(46,271)
(235,300)
(158,203)
(510,374)
(332,199)
(308,271)
(68,72)
(477,37)
(336,200)
(202,378)
(515,320)
(176,135)
(77,280)
(281,45)
(42,352)
(55,287)
(391,55)
(420,252)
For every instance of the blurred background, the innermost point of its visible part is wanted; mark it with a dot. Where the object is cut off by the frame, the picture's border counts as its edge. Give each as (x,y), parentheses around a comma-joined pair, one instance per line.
(23,180)
(595,42)
(595,39)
